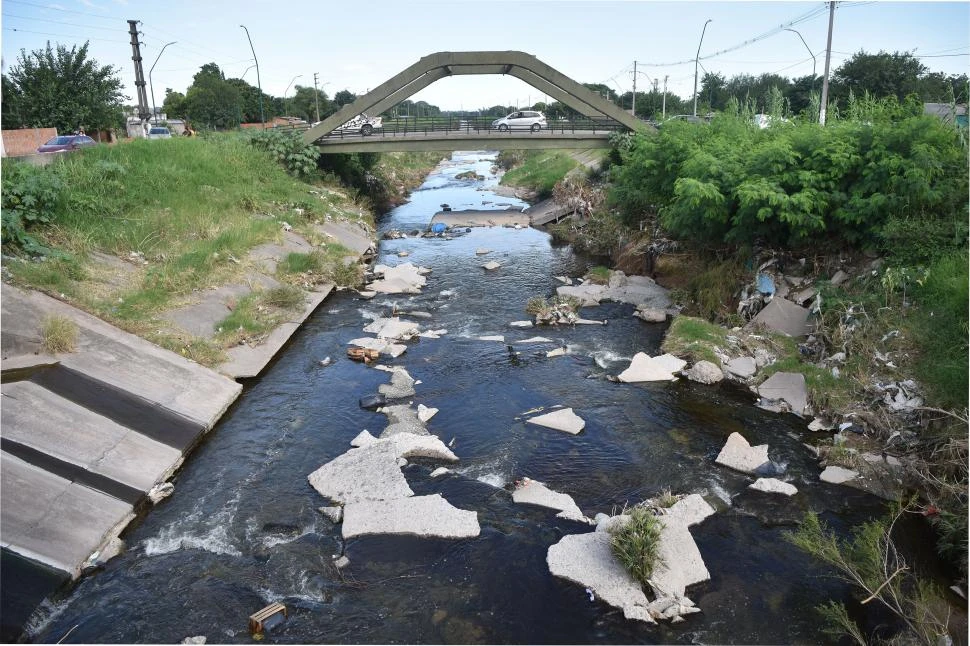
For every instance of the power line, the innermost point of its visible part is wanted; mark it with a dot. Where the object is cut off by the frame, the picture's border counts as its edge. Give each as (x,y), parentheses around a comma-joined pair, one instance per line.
(61,22)
(44,33)
(83,13)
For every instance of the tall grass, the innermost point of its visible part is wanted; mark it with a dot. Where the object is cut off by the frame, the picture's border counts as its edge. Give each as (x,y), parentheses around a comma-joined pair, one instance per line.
(540,171)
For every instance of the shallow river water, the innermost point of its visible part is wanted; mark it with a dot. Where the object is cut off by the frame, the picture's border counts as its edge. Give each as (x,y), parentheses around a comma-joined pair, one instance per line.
(242,528)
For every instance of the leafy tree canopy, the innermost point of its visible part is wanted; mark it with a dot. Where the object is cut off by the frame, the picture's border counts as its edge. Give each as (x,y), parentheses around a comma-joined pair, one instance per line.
(61,88)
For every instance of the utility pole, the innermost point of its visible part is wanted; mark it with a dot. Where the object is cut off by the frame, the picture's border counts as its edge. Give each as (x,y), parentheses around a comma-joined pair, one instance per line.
(634,110)
(139,73)
(316,95)
(665,97)
(828,58)
(697,59)
(259,84)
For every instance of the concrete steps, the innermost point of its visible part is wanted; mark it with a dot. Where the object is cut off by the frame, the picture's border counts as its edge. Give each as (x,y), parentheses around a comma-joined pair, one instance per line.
(85,435)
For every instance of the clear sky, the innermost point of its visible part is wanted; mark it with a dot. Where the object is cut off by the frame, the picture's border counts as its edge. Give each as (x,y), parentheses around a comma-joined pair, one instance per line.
(358,45)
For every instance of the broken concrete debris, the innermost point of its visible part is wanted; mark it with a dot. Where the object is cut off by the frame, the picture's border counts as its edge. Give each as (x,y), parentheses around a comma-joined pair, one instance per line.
(737,454)
(773,485)
(646,368)
(564,420)
(787,387)
(533,492)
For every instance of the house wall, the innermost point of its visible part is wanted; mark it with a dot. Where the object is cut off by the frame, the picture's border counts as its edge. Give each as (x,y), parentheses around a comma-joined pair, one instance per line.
(24,141)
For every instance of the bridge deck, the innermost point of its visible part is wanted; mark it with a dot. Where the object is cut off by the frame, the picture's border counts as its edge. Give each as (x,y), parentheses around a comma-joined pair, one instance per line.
(460,140)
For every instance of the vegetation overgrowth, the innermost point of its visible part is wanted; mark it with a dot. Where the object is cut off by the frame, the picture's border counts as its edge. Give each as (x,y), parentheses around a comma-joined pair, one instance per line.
(177,215)
(538,170)
(882,180)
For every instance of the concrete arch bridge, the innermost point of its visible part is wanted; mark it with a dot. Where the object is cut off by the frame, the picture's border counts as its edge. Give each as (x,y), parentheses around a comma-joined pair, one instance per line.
(600,117)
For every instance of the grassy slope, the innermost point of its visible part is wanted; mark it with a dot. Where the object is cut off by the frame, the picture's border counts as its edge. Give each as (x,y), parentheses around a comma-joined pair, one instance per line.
(186,212)
(541,169)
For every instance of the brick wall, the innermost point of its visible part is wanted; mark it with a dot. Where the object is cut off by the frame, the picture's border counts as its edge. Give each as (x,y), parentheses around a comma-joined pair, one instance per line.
(25,141)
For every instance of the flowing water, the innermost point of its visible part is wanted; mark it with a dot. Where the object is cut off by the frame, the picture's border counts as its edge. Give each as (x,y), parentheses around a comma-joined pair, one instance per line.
(242,529)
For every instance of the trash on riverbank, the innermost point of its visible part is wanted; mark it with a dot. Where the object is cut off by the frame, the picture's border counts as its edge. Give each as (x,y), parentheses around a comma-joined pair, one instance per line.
(266,619)
(379,345)
(363,354)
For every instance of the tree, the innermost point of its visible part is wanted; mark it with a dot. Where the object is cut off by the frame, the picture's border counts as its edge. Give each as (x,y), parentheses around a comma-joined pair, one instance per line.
(304,103)
(881,75)
(211,100)
(343,97)
(63,89)
(174,104)
(713,91)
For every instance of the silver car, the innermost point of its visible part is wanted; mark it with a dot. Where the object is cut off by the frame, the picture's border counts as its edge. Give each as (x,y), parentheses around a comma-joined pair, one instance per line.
(521,120)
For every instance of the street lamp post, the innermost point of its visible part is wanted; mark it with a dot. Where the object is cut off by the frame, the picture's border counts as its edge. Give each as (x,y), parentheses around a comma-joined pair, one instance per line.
(288,89)
(697,59)
(262,116)
(809,53)
(246,72)
(152,87)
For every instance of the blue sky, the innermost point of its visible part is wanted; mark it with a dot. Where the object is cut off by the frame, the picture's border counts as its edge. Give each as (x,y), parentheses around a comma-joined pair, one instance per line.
(357,46)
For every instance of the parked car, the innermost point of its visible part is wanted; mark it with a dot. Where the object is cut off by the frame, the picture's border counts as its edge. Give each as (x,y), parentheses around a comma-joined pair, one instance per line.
(158,132)
(521,120)
(63,143)
(363,124)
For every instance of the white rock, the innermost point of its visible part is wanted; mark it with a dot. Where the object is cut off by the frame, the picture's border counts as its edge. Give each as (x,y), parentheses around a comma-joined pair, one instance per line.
(670,362)
(440,471)
(651,314)
(789,387)
(366,294)
(160,492)
(820,424)
(334,513)
(198,639)
(588,322)
(741,456)
(433,334)
(393,329)
(421,516)
(565,280)
(645,368)
(561,420)
(689,510)
(838,475)
(536,339)
(558,352)
(533,492)
(371,472)
(341,562)
(493,337)
(588,560)
(773,485)
(482,252)
(521,324)
(743,367)
(705,372)
(402,385)
(490,265)
(425,413)
(679,561)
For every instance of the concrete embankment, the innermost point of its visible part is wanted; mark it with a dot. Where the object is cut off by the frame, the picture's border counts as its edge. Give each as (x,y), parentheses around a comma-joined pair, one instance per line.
(87,434)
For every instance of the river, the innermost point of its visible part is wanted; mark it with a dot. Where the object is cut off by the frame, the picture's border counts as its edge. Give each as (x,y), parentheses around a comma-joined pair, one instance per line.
(242,528)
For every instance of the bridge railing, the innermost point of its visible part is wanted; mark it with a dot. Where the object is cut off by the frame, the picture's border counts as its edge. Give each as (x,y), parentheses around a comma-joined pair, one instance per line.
(445,125)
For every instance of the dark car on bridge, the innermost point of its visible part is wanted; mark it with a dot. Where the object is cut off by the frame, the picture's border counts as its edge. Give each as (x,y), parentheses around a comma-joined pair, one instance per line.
(64,143)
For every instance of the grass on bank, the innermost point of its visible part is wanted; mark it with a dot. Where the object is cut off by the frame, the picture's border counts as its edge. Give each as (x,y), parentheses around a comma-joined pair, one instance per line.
(636,543)
(181,215)
(59,334)
(538,170)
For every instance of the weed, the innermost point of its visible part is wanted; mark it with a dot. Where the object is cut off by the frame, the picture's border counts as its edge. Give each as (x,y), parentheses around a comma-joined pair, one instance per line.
(59,334)
(599,275)
(872,564)
(536,305)
(666,499)
(284,297)
(694,339)
(540,170)
(636,544)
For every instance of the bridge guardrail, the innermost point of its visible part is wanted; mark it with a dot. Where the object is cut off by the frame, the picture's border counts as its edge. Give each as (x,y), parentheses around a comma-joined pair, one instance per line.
(470,125)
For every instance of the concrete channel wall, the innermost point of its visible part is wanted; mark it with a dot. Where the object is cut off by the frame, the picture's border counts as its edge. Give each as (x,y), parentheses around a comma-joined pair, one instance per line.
(87,434)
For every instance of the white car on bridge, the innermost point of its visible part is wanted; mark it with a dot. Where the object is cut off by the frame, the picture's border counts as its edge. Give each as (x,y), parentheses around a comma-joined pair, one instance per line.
(361,123)
(521,120)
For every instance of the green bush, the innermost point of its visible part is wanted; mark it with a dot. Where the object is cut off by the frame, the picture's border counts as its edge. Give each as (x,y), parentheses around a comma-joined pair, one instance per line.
(874,183)
(636,544)
(30,198)
(288,149)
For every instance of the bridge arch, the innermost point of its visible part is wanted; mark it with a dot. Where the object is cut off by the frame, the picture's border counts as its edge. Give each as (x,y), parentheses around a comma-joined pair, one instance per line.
(435,67)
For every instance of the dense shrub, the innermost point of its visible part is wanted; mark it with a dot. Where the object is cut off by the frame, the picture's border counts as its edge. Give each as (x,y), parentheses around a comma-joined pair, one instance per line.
(30,198)
(288,149)
(874,182)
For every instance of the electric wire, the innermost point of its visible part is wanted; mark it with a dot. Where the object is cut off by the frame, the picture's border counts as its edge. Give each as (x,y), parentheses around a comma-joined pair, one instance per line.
(61,22)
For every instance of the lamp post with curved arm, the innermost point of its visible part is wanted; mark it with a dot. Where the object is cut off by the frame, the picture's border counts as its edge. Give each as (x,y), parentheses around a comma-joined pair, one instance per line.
(262,116)
(809,53)
(697,59)
(288,89)
(152,87)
